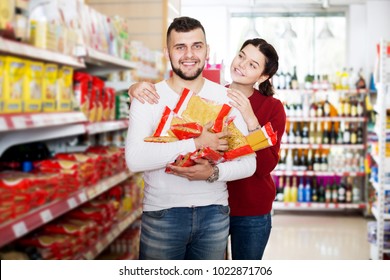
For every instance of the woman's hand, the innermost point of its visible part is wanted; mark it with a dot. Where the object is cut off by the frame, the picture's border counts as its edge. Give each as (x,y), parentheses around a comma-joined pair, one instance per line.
(242,103)
(143,91)
(200,171)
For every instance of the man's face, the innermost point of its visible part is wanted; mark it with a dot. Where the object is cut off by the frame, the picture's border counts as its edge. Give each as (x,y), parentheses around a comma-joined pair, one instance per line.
(187,52)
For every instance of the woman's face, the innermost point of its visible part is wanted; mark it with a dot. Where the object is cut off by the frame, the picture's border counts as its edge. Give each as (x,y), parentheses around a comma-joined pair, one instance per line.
(248,65)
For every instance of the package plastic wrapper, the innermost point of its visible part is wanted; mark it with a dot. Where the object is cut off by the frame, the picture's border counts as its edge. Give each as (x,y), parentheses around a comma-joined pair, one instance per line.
(189,116)
(262,138)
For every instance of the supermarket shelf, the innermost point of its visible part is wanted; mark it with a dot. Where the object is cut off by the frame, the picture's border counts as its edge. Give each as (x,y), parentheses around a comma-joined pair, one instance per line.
(22,225)
(317,173)
(105,126)
(327,119)
(11,122)
(310,91)
(38,134)
(31,52)
(119,86)
(323,146)
(386,216)
(374,251)
(316,206)
(115,231)
(101,63)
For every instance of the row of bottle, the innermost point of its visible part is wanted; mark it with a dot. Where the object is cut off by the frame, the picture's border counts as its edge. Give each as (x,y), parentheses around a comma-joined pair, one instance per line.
(318,189)
(341,80)
(321,160)
(323,133)
(345,106)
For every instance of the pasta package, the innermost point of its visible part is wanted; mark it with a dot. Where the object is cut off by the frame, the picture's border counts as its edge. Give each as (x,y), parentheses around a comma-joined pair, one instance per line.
(187,119)
(262,138)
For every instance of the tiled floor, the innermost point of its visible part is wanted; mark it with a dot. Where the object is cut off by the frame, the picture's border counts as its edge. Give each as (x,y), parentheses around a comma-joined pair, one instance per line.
(314,236)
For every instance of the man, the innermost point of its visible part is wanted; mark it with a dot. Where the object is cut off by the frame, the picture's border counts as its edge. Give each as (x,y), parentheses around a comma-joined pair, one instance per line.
(182,218)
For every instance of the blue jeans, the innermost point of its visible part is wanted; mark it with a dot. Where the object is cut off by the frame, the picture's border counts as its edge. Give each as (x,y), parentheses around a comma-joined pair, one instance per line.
(249,236)
(197,233)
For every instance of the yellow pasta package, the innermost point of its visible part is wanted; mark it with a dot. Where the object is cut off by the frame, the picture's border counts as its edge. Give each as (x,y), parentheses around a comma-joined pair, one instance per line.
(1,84)
(49,87)
(14,71)
(32,89)
(65,89)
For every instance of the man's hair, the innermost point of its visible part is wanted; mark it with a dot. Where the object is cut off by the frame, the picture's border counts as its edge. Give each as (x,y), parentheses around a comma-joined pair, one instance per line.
(184,24)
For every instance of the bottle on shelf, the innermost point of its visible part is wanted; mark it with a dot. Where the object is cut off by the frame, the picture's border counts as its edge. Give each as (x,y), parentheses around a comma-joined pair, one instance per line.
(282,160)
(301,190)
(310,160)
(326,134)
(305,133)
(319,133)
(287,190)
(359,134)
(289,160)
(328,192)
(341,192)
(334,190)
(312,133)
(332,134)
(280,190)
(314,190)
(324,161)
(326,107)
(296,161)
(298,133)
(353,134)
(348,191)
(294,79)
(308,191)
(321,190)
(355,192)
(317,161)
(361,82)
(303,161)
(294,190)
(291,134)
(346,133)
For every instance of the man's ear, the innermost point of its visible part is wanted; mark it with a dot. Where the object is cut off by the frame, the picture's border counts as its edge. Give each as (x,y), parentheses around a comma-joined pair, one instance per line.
(166,53)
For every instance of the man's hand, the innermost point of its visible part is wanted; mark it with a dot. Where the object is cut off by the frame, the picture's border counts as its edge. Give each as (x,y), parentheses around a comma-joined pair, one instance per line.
(201,171)
(216,141)
(143,91)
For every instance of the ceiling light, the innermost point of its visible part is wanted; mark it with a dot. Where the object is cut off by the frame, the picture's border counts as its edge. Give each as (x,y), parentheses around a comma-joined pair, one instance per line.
(289,32)
(325,33)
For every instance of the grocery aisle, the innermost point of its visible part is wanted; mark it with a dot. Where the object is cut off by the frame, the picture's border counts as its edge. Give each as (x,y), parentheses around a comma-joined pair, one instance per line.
(314,236)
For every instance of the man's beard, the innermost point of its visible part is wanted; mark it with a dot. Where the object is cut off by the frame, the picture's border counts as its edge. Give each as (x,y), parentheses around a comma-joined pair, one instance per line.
(182,75)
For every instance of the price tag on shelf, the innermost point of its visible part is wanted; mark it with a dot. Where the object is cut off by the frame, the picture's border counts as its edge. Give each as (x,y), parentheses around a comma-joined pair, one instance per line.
(83,197)
(19,229)
(304,205)
(46,215)
(72,203)
(331,205)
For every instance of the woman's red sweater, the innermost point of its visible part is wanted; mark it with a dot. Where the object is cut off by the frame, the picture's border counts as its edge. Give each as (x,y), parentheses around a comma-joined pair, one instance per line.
(253,196)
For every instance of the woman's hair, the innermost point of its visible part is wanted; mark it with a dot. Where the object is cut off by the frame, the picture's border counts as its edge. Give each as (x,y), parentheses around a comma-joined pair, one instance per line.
(184,24)
(271,63)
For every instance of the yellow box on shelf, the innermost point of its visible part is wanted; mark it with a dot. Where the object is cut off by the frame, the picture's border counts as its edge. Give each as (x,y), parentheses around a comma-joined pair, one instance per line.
(32,90)
(50,88)
(1,83)
(65,89)
(14,72)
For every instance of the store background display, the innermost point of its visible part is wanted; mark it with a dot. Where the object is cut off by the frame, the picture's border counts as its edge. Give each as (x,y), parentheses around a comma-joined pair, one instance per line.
(65,191)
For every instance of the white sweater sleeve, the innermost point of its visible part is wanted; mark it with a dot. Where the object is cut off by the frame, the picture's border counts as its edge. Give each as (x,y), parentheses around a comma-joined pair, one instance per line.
(144,156)
(237,169)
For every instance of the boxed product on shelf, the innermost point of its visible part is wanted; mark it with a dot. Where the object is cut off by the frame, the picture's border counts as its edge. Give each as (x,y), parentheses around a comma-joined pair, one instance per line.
(14,71)
(32,88)
(49,87)
(372,227)
(20,191)
(65,89)
(1,83)
(82,92)
(7,8)
(98,85)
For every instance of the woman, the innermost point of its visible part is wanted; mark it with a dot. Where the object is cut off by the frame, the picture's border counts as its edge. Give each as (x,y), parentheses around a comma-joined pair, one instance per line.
(250,199)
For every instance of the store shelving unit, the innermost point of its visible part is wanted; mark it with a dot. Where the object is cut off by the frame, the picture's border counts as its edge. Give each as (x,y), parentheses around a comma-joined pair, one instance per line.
(383,87)
(30,127)
(18,227)
(303,96)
